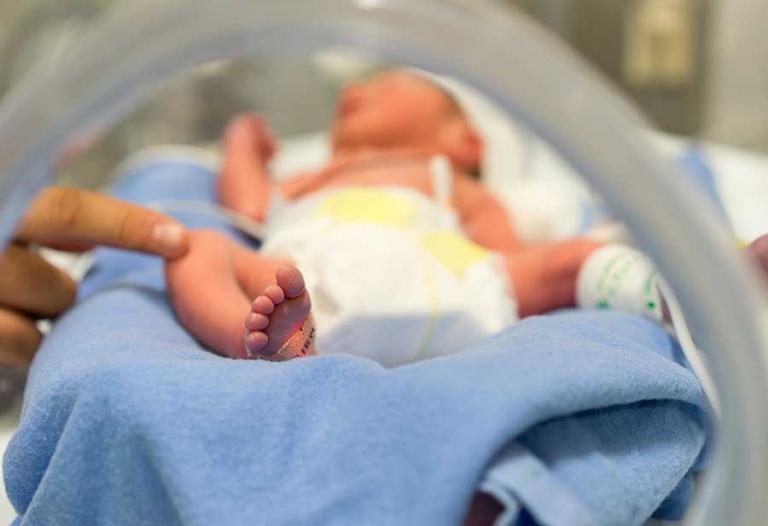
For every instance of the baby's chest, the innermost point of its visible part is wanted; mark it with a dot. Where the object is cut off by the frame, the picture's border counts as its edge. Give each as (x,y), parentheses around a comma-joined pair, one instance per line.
(414,177)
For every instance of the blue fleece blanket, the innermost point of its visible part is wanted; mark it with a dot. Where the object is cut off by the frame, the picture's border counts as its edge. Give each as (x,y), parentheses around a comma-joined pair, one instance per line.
(579,418)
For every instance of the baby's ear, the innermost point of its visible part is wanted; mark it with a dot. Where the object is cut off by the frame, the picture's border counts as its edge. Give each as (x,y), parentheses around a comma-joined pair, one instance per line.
(463,144)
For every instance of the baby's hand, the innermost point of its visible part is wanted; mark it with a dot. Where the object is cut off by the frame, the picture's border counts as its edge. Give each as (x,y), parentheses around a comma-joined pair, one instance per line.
(252,132)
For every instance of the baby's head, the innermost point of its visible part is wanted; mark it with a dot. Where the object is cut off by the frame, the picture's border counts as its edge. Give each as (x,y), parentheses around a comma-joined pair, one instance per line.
(400,110)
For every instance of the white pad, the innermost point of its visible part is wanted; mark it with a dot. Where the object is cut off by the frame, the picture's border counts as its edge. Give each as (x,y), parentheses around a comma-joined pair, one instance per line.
(621,278)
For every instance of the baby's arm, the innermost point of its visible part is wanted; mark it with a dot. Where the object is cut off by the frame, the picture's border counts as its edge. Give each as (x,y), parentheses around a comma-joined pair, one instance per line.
(245,185)
(482,216)
(544,277)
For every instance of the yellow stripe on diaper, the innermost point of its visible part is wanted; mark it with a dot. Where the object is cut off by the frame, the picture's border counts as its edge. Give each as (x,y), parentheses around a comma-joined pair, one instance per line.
(363,205)
(453,251)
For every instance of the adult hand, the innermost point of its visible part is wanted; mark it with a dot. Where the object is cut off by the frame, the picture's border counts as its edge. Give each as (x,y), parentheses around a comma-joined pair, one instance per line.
(75,220)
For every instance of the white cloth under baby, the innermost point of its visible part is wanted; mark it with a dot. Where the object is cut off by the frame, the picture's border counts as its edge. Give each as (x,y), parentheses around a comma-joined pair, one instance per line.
(391,275)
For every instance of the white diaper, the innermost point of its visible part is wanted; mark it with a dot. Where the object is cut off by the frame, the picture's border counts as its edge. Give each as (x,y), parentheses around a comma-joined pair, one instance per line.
(389,277)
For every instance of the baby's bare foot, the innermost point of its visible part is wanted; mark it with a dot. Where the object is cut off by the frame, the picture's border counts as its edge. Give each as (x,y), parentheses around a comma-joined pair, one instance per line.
(278,326)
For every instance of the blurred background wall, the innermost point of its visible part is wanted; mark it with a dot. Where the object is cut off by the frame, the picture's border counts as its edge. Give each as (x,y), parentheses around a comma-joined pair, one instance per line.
(695,67)
(737,100)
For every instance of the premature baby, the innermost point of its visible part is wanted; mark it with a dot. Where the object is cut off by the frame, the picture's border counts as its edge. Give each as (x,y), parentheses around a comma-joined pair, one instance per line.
(396,227)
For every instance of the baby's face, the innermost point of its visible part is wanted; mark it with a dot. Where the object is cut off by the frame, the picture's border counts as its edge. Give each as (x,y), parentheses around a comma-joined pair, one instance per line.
(393,110)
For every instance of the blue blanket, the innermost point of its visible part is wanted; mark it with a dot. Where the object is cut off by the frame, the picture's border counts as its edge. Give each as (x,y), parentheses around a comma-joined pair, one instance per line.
(579,418)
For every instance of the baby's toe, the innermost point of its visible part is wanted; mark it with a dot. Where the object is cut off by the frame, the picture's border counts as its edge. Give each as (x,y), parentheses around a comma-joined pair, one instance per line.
(256,341)
(256,322)
(263,305)
(275,293)
(290,280)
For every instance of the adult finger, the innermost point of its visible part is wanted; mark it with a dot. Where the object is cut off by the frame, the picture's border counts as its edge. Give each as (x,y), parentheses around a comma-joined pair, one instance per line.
(19,339)
(30,284)
(66,216)
(758,250)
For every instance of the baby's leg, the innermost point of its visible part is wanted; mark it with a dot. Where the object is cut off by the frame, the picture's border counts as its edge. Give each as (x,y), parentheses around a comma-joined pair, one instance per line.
(211,290)
(544,277)
(244,184)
